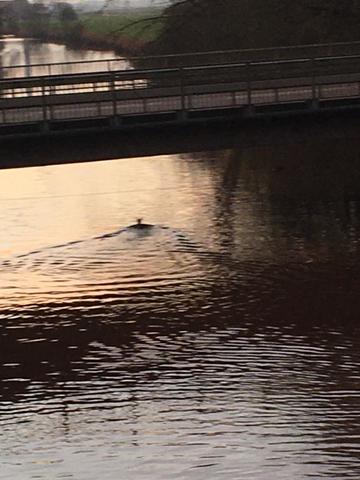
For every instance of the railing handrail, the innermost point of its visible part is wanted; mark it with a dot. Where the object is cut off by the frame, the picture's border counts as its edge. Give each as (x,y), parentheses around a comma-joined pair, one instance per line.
(247,50)
(84,77)
(76,62)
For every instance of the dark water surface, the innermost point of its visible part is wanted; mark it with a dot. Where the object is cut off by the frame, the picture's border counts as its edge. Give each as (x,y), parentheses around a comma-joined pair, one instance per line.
(221,344)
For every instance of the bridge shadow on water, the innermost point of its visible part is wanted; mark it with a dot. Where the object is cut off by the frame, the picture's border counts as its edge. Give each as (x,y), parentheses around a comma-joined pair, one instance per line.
(111,144)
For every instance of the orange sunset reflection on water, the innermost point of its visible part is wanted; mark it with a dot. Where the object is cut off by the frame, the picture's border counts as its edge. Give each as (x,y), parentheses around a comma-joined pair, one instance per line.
(227,328)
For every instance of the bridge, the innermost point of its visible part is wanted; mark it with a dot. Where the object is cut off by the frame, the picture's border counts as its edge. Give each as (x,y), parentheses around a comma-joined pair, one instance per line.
(178,90)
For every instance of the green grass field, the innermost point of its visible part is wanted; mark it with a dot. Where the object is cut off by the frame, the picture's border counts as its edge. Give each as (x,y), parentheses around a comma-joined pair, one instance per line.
(142,25)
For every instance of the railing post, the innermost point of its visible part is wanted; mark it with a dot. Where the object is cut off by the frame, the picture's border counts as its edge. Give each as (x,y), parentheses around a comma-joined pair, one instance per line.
(313,80)
(182,111)
(52,90)
(43,99)
(113,95)
(314,95)
(182,89)
(98,104)
(233,98)
(44,106)
(277,96)
(50,112)
(248,85)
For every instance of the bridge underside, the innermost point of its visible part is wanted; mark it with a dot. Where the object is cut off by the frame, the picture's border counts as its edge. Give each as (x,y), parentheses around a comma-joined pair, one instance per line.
(106,143)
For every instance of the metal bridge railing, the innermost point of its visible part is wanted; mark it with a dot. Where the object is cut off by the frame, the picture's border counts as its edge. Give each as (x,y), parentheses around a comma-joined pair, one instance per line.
(113,94)
(220,77)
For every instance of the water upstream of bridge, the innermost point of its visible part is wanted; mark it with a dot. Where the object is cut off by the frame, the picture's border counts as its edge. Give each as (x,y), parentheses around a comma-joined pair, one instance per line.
(21,57)
(222,343)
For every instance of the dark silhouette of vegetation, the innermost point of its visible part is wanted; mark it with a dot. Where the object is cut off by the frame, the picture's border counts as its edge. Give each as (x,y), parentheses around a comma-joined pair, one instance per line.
(205,25)
(24,18)
(65,13)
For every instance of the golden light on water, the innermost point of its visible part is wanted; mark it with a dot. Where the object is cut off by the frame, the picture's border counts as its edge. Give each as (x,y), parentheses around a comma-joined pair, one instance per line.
(71,202)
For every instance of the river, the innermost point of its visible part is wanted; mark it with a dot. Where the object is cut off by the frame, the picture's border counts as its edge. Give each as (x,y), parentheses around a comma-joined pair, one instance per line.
(29,57)
(221,343)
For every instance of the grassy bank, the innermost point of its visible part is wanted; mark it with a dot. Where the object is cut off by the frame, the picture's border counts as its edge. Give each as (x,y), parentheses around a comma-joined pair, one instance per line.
(123,33)
(142,25)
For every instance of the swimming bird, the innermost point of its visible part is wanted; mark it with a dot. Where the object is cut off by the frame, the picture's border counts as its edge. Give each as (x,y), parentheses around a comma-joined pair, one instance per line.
(141,226)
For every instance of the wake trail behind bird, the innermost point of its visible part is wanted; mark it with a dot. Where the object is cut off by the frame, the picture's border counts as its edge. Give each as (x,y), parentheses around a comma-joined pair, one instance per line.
(157,239)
